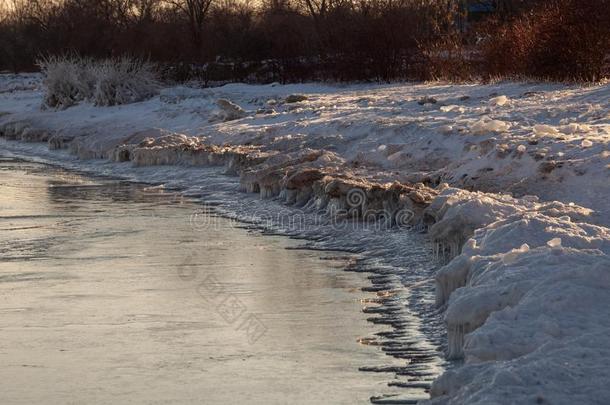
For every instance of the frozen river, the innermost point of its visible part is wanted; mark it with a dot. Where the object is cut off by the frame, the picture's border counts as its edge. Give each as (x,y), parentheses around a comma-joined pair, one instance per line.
(109,294)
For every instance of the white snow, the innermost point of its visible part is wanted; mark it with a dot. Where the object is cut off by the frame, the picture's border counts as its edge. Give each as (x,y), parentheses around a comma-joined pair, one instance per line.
(517,204)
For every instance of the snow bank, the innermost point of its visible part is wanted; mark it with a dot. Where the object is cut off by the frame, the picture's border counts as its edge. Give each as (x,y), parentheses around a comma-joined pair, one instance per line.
(493,231)
(457,213)
(524,282)
(304,178)
(548,340)
(569,371)
(531,278)
(11,83)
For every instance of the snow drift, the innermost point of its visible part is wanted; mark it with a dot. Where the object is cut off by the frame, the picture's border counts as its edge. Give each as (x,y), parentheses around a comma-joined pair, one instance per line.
(524,279)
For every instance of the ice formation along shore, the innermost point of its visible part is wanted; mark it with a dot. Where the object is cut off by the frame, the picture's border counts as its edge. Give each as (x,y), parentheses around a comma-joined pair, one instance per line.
(526,277)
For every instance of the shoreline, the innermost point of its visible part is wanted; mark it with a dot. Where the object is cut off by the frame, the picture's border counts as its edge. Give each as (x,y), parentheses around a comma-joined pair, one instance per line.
(129,269)
(505,257)
(414,337)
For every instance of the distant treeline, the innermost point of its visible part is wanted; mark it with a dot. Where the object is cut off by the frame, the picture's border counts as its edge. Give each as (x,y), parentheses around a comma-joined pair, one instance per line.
(296,40)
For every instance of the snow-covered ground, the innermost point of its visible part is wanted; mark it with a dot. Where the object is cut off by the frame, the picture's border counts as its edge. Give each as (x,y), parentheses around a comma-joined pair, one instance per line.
(512,181)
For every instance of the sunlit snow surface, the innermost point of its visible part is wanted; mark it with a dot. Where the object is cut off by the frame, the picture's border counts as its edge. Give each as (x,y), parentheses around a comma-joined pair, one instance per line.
(522,138)
(523,299)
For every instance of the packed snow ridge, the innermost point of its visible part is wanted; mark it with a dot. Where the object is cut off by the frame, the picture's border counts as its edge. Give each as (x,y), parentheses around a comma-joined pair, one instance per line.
(510,180)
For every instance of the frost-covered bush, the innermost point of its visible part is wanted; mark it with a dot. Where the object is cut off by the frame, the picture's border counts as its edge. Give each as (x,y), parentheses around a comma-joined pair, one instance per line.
(69,80)
(123,81)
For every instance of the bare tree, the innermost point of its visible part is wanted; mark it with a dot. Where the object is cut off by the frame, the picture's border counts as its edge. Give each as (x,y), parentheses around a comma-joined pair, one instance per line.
(318,10)
(195,11)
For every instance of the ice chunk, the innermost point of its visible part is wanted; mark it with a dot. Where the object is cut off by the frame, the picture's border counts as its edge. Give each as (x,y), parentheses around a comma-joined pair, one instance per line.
(484,126)
(427,100)
(450,108)
(499,101)
(575,128)
(512,256)
(445,129)
(395,156)
(542,130)
(570,129)
(295,98)
(229,110)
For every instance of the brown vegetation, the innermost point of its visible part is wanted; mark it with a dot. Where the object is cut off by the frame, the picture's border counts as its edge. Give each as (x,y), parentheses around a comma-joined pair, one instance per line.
(558,40)
(296,40)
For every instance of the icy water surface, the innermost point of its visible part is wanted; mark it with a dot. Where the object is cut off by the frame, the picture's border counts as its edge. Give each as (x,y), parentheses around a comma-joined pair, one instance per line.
(110,294)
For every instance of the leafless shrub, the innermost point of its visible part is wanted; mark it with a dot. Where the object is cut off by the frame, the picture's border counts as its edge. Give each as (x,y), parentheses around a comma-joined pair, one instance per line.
(69,80)
(122,81)
(558,40)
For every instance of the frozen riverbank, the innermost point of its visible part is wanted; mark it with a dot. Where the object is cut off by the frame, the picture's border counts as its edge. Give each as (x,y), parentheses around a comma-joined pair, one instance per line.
(401,302)
(111,295)
(526,276)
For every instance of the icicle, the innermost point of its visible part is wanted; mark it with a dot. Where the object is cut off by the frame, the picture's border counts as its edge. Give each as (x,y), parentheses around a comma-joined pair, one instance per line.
(455,341)
(291,196)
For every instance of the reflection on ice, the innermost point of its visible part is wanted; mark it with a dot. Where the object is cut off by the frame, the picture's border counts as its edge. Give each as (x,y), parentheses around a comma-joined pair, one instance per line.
(111,294)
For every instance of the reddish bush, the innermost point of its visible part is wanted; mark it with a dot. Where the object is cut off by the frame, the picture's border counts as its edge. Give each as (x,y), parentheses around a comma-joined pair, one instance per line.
(558,40)
(448,59)
(294,40)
